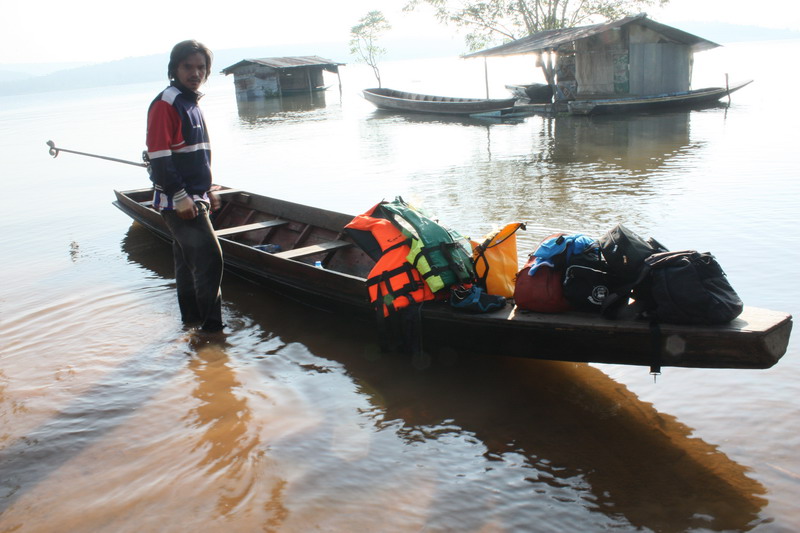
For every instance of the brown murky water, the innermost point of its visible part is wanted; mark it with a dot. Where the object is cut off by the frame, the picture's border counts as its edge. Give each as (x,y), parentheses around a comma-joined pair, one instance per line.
(113,418)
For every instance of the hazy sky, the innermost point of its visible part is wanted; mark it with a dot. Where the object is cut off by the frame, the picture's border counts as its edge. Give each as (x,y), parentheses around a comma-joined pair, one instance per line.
(43,31)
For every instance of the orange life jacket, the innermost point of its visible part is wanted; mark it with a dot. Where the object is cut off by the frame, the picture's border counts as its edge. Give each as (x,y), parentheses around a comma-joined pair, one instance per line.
(393,283)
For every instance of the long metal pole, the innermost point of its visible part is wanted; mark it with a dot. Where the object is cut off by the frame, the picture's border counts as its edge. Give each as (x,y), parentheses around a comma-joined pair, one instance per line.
(54,151)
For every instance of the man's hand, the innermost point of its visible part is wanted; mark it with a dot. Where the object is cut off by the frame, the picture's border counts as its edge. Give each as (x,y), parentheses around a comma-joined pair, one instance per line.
(185,208)
(215,201)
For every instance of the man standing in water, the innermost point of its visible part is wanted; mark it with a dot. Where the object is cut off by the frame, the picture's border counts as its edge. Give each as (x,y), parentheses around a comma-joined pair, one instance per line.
(180,166)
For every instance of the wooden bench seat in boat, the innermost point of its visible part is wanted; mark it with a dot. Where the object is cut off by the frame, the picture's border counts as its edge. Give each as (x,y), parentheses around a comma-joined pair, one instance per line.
(224,192)
(312,249)
(249,227)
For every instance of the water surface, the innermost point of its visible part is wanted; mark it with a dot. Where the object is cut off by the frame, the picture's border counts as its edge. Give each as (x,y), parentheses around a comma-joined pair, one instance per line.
(113,418)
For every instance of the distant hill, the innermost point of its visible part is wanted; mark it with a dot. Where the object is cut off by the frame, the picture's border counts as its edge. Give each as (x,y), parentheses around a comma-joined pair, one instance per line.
(131,70)
(31,70)
(10,76)
(154,67)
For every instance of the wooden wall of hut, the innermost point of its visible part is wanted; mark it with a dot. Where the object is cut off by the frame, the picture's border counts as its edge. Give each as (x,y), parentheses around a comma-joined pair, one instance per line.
(598,63)
(631,61)
(657,65)
(659,68)
(301,80)
(254,81)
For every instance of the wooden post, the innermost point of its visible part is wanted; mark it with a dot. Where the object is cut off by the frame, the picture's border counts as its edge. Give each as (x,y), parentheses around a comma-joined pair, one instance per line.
(728,88)
(486,75)
(549,73)
(541,64)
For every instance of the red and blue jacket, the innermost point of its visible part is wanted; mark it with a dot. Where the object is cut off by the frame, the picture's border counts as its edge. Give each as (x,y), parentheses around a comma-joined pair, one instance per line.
(178,147)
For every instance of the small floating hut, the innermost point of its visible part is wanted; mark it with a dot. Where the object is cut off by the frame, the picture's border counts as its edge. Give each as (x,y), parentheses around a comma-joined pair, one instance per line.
(633,56)
(279,76)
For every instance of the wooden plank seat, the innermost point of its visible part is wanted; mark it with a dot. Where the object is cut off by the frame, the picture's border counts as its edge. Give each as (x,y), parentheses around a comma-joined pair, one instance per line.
(312,249)
(225,192)
(221,192)
(249,227)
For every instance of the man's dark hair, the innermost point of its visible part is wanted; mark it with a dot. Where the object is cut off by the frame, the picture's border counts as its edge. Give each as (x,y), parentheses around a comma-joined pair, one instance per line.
(184,49)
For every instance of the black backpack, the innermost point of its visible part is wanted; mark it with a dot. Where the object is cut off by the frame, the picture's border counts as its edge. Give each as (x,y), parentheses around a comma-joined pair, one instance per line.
(624,252)
(686,287)
(586,281)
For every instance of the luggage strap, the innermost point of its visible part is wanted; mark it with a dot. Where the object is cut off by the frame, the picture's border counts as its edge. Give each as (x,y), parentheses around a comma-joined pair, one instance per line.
(655,349)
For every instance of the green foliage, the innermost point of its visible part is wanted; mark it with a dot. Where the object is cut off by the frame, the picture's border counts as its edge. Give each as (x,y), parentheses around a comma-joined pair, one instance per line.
(364,37)
(493,21)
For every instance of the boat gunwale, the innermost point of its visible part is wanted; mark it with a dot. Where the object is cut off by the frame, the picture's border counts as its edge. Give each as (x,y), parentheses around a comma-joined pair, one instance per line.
(408,96)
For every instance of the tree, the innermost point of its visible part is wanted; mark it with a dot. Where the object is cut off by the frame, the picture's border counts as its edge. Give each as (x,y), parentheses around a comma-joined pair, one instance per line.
(363,41)
(507,20)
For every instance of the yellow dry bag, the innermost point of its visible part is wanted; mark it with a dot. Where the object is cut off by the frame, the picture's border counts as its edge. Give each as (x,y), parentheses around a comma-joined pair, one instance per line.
(496,260)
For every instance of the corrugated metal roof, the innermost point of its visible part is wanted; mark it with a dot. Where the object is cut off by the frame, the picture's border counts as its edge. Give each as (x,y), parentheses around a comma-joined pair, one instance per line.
(551,39)
(281,63)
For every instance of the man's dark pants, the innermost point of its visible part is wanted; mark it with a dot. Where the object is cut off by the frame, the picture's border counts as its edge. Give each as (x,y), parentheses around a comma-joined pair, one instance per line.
(198,268)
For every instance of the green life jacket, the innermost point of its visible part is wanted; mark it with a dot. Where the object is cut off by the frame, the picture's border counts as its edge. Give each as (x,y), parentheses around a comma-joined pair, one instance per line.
(436,252)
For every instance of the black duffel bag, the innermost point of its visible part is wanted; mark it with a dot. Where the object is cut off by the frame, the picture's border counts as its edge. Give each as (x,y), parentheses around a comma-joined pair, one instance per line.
(686,287)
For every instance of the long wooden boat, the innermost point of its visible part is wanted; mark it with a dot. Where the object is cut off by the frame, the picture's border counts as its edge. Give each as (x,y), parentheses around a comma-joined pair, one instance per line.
(392,100)
(305,235)
(686,99)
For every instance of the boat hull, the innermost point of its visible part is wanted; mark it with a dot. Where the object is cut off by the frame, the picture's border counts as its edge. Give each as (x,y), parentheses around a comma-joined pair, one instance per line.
(399,101)
(683,100)
(757,339)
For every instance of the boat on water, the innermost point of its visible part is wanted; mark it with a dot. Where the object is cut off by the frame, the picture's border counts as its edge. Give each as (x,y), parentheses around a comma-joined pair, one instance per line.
(534,93)
(400,101)
(277,244)
(685,99)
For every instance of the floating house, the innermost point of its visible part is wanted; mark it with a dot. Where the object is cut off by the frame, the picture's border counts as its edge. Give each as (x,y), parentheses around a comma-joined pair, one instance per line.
(278,76)
(631,57)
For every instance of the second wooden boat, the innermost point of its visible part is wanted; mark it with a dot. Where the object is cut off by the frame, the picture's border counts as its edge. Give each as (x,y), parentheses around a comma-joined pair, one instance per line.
(250,226)
(392,100)
(686,99)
